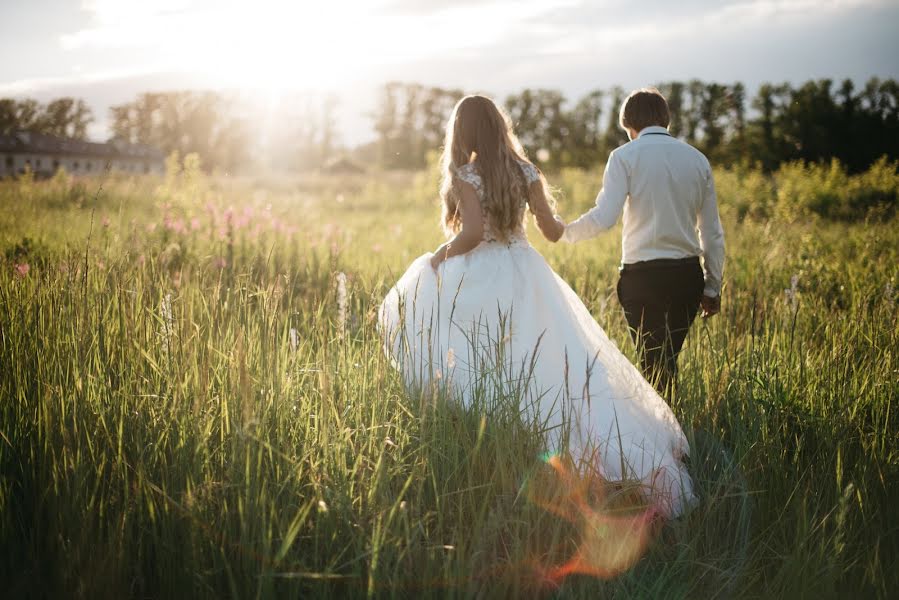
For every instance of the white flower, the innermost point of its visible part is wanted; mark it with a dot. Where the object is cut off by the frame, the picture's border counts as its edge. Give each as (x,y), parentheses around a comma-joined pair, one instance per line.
(167,328)
(341,302)
(451,359)
(792,292)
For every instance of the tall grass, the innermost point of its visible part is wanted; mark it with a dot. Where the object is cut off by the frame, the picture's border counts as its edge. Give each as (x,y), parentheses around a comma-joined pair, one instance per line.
(185,414)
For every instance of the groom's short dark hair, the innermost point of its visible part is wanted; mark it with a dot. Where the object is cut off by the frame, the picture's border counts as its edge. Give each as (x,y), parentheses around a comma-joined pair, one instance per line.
(644,108)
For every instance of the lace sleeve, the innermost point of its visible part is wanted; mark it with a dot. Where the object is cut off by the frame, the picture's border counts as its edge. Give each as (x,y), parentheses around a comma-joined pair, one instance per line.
(469,174)
(530,172)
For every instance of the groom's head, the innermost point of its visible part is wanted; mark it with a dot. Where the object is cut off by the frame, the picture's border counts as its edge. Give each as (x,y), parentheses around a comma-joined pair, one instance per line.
(643,108)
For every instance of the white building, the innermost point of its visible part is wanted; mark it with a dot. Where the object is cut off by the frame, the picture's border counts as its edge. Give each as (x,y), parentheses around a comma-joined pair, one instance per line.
(45,154)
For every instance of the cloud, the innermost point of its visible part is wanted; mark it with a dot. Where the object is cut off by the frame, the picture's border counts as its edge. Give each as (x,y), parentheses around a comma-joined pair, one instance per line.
(591,28)
(427,7)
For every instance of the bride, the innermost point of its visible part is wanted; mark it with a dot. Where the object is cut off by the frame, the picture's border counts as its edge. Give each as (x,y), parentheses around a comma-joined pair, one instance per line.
(487,316)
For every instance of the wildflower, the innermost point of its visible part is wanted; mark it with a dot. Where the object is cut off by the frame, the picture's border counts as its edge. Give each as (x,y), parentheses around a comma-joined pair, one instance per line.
(168,323)
(792,292)
(322,506)
(177,225)
(341,301)
(376,248)
(194,224)
(451,359)
(22,269)
(104,221)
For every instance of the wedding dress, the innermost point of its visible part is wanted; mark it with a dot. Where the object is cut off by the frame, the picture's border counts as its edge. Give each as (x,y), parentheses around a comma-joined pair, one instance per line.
(497,322)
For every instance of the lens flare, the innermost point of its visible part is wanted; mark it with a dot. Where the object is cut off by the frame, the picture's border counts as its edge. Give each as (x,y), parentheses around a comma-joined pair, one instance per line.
(615,524)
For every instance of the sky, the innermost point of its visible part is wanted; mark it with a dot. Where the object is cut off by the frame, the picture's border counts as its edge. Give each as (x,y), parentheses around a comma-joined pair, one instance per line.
(108,51)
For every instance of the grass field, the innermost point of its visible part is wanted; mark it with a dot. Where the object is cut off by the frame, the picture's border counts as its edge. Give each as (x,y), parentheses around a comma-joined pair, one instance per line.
(191,409)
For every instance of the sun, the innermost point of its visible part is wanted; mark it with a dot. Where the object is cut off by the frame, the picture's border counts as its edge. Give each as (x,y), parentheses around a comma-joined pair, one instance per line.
(270,45)
(254,46)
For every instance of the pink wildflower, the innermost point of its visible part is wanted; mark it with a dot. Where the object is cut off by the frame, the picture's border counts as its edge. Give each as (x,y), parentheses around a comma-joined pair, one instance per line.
(22,269)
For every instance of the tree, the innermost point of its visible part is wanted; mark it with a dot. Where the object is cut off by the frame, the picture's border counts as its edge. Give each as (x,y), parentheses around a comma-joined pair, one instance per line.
(541,123)
(674,94)
(66,117)
(62,117)
(184,122)
(614,135)
(583,145)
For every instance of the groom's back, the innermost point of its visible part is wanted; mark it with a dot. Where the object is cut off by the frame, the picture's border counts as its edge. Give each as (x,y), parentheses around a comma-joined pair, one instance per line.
(667,183)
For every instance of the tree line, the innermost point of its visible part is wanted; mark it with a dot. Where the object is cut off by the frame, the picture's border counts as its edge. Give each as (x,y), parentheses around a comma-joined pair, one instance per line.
(209,124)
(814,121)
(63,117)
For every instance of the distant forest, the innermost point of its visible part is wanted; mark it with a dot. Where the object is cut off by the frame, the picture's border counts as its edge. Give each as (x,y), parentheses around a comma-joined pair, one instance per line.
(814,122)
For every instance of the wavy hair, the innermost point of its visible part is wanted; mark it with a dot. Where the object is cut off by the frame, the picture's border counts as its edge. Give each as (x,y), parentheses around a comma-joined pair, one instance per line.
(479,131)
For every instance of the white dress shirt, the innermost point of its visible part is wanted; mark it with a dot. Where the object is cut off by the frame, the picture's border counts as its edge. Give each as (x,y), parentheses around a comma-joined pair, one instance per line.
(667,193)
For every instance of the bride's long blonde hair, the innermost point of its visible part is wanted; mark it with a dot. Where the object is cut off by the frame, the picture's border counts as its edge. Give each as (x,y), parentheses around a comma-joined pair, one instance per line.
(480,131)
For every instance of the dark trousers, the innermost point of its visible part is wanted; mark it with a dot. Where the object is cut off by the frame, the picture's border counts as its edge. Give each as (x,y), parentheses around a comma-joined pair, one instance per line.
(660,299)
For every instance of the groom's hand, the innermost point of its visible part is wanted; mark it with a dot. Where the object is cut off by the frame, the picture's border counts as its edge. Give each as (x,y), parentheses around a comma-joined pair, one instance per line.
(710,305)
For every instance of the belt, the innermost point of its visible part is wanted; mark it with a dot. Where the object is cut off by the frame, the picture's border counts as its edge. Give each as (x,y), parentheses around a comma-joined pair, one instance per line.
(660,263)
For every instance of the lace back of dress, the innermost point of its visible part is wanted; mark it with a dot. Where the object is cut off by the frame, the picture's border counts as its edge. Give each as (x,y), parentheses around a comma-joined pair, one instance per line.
(469,174)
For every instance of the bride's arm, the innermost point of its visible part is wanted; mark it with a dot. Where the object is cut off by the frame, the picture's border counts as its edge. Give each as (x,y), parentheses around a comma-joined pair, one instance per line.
(549,224)
(472,227)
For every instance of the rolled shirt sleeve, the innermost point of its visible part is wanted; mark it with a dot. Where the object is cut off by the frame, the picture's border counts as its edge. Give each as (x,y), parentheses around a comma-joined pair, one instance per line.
(609,204)
(711,238)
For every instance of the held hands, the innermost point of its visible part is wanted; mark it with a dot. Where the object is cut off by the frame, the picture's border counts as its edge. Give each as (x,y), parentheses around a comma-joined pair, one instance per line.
(560,228)
(711,306)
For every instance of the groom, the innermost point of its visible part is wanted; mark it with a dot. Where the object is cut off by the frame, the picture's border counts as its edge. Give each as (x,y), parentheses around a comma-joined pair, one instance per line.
(665,189)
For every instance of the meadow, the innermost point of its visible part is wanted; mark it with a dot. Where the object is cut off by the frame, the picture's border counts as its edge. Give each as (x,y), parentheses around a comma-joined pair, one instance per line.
(194,401)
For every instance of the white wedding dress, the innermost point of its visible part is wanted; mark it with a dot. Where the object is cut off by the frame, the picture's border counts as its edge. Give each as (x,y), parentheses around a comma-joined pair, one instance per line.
(497,322)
